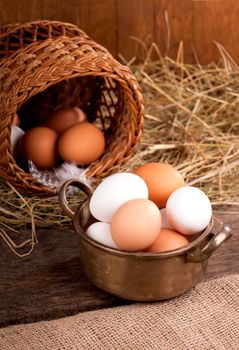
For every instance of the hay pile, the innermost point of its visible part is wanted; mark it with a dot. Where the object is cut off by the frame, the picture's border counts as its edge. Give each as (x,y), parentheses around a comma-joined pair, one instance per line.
(191,122)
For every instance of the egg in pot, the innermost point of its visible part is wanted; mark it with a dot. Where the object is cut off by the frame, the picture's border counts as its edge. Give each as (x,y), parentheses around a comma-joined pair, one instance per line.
(162,179)
(167,239)
(114,191)
(135,221)
(135,224)
(189,210)
(100,232)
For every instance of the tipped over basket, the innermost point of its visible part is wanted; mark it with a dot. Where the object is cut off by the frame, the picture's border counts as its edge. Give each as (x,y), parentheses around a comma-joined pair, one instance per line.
(45,65)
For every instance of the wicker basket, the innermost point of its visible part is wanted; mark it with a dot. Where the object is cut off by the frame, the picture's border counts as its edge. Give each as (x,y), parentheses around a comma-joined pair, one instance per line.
(47,64)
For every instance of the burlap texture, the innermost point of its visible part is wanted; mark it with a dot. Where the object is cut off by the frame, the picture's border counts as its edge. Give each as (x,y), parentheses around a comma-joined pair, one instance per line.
(206,318)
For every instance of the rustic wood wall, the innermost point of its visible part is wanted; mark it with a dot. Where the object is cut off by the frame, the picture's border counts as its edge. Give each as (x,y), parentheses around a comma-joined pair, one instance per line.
(121,24)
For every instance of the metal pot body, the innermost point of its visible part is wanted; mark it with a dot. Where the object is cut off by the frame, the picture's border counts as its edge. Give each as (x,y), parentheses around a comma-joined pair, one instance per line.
(140,277)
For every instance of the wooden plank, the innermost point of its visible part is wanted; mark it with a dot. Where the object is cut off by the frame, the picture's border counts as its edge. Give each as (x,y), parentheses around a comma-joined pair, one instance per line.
(50,282)
(15,11)
(173,24)
(135,27)
(97,18)
(225,260)
(215,21)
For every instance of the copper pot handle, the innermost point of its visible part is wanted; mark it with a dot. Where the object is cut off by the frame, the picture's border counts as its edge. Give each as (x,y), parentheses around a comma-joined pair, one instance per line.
(63,191)
(217,239)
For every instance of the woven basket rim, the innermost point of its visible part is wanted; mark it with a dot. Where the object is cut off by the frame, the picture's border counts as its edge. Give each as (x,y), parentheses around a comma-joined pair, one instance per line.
(9,28)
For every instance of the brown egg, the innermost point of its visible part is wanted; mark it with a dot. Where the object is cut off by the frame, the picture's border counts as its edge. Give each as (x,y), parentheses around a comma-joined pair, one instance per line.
(162,180)
(40,146)
(167,240)
(64,117)
(135,224)
(82,143)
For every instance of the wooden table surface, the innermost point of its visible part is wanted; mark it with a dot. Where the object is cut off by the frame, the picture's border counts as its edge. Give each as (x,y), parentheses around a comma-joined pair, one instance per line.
(50,283)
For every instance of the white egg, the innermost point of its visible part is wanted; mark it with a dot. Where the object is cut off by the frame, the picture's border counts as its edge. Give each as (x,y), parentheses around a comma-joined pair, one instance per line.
(189,210)
(16,134)
(115,190)
(165,223)
(100,231)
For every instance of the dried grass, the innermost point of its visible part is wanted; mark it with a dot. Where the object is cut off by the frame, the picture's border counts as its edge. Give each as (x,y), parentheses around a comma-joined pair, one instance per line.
(191,122)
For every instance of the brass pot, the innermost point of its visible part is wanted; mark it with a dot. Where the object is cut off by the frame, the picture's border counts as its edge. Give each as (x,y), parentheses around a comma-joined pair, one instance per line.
(141,276)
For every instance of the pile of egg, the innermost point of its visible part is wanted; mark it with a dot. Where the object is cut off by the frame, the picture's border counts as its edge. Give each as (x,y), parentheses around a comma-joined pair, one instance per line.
(151,209)
(65,135)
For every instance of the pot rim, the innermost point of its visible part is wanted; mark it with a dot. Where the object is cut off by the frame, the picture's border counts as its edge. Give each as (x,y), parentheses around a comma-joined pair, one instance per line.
(136,255)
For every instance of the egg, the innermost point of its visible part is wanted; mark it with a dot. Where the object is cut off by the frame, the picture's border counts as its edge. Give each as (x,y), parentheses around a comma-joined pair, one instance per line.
(39,145)
(135,224)
(81,143)
(162,179)
(16,135)
(189,210)
(113,191)
(165,222)
(64,117)
(100,232)
(167,240)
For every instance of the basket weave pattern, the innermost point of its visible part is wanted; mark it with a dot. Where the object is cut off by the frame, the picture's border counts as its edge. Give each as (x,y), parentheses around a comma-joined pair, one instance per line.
(47,64)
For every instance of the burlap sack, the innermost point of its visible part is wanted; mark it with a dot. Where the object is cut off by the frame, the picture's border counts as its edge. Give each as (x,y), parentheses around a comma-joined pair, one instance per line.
(206,318)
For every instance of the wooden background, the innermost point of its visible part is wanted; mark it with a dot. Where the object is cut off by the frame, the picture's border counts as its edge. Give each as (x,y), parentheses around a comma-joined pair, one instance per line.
(113,23)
